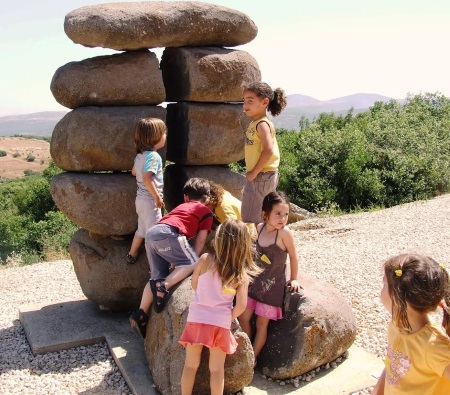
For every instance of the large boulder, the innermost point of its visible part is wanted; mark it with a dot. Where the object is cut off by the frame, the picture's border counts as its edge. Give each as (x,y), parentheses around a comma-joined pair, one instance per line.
(102,203)
(150,24)
(125,79)
(207,74)
(105,277)
(318,326)
(175,176)
(99,138)
(205,133)
(166,356)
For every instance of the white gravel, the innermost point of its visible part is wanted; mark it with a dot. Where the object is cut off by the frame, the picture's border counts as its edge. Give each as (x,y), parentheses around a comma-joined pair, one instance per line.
(345,251)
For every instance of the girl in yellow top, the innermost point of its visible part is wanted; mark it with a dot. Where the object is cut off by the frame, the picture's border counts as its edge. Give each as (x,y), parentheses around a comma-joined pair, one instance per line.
(418,354)
(262,155)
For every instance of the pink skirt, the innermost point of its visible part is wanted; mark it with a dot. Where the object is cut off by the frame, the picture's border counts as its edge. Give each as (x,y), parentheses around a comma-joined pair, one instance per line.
(210,336)
(264,310)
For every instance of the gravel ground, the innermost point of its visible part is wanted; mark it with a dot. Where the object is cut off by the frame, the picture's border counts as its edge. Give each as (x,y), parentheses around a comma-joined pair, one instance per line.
(345,251)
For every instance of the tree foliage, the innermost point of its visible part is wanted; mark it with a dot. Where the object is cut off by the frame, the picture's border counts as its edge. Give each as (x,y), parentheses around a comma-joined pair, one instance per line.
(31,225)
(394,153)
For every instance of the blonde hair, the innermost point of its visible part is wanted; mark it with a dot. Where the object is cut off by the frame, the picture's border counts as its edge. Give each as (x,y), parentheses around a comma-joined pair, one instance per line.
(420,281)
(147,133)
(233,252)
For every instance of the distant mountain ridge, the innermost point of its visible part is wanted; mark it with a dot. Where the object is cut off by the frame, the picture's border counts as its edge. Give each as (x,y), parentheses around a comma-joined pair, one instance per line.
(299,105)
(43,123)
(38,123)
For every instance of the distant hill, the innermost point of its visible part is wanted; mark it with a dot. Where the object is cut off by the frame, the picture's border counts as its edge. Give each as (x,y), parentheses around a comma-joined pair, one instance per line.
(43,123)
(38,124)
(299,105)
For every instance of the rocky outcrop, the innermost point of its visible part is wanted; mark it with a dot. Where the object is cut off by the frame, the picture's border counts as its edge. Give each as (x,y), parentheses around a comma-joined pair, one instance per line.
(166,356)
(104,275)
(139,25)
(99,138)
(125,79)
(175,176)
(101,203)
(207,74)
(205,134)
(321,327)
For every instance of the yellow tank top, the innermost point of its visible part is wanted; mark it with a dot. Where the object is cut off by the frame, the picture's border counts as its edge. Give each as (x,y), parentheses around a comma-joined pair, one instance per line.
(254,147)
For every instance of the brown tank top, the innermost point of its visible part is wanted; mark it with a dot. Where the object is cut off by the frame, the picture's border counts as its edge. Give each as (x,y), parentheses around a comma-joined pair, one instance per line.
(268,287)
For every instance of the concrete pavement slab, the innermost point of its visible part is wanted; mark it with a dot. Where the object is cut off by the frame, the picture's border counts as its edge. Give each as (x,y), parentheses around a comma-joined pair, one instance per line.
(55,327)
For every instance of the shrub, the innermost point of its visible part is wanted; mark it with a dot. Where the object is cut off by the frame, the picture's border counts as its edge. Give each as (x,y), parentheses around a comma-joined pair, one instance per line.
(31,227)
(2,153)
(15,155)
(30,158)
(389,155)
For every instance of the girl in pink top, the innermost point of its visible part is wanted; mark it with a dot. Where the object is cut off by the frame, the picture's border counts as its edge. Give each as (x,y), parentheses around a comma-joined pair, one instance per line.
(217,279)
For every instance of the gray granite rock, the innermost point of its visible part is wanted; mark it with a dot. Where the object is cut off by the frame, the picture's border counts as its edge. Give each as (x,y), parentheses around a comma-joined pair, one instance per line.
(99,138)
(125,79)
(205,133)
(150,24)
(166,356)
(101,203)
(207,74)
(318,326)
(175,176)
(104,276)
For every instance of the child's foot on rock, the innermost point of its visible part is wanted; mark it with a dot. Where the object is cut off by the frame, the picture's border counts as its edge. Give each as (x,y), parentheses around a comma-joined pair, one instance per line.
(131,259)
(138,321)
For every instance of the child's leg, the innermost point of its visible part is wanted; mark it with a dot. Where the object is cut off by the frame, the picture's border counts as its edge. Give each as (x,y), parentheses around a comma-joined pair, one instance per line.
(179,274)
(147,299)
(136,243)
(244,321)
(216,370)
(262,323)
(191,364)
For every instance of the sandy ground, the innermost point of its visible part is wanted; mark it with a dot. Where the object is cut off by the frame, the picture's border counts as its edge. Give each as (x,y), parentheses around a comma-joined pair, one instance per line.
(14,167)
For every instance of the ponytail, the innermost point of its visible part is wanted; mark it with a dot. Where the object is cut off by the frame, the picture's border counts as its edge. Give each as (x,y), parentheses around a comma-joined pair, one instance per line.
(446,312)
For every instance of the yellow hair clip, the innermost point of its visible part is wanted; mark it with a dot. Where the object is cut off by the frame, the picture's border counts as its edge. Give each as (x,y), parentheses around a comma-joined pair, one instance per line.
(442,265)
(398,272)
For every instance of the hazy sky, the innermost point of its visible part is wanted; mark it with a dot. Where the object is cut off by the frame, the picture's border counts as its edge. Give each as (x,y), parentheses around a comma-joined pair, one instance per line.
(320,48)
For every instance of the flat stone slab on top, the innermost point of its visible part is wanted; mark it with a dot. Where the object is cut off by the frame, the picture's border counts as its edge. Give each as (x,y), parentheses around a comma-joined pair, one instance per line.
(64,325)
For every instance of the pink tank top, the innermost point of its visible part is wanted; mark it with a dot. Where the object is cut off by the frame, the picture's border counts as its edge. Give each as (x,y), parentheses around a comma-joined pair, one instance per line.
(212,302)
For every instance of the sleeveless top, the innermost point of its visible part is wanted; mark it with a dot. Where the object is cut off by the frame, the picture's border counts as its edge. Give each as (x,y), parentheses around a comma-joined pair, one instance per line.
(269,286)
(212,302)
(254,147)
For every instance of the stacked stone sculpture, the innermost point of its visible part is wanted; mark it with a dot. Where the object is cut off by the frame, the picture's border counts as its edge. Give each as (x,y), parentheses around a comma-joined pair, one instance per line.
(94,142)
(202,79)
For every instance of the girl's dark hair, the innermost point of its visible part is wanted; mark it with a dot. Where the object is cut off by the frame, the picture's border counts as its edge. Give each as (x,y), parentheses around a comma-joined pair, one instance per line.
(277,97)
(420,281)
(273,198)
(147,133)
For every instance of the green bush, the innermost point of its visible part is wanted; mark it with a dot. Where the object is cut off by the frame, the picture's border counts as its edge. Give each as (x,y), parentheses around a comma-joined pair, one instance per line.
(2,153)
(15,155)
(31,227)
(30,158)
(388,155)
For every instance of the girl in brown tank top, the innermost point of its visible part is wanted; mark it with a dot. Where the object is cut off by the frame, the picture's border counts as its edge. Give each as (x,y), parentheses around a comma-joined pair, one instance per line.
(275,242)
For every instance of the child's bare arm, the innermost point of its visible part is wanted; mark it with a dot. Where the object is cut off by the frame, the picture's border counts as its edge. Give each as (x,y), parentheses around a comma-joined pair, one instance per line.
(379,387)
(200,241)
(147,179)
(289,243)
(241,300)
(447,372)
(263,130)
(133,171)
(199,269)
